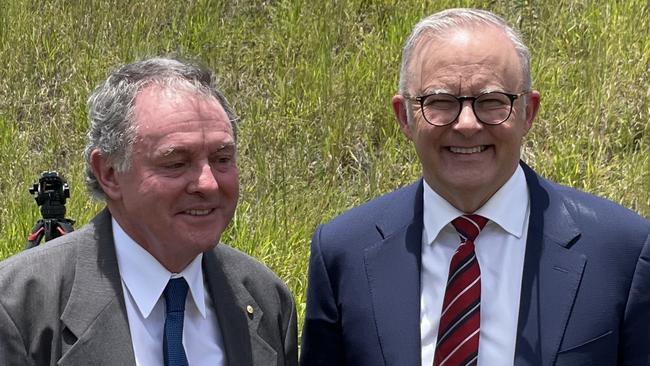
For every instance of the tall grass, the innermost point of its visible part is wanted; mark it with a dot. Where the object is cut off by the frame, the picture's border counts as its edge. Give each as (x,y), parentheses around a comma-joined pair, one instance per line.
(312,81)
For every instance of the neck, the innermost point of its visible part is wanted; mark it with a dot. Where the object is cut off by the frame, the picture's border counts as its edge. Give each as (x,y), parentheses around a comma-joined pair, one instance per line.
(174,265)
(466,200)
(467,205)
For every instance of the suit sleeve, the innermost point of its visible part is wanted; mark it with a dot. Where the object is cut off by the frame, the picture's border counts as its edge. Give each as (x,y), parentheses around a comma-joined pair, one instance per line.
(636,329)
(12,349)
(290,333)
(321,336)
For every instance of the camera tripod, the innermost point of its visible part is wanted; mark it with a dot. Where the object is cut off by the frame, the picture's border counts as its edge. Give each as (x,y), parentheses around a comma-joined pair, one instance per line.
(48,229)
(50,194)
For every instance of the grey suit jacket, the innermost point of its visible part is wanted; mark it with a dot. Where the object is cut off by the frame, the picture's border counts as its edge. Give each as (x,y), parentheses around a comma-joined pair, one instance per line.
(62,304)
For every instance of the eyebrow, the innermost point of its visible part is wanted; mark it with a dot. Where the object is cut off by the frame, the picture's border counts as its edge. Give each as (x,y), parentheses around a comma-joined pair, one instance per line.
(180,150)
(436,91)
(171,150)
(492,89)
(447,91)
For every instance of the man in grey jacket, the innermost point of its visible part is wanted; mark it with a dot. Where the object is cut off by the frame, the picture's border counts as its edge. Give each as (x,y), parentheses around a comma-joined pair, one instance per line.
(146,281)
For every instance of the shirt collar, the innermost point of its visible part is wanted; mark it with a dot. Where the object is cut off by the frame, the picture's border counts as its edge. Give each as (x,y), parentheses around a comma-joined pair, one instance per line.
(507,208)
(146,279)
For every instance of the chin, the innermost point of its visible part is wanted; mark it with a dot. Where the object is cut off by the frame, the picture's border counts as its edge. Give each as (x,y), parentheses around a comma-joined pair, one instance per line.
(203,243)
(470,180)
(209,245)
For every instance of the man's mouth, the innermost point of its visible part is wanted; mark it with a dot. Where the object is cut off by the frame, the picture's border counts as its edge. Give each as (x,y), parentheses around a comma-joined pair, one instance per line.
(198,212)
(467,150)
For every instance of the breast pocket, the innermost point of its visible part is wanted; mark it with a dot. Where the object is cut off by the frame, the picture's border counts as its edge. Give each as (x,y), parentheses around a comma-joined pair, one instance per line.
(600,350)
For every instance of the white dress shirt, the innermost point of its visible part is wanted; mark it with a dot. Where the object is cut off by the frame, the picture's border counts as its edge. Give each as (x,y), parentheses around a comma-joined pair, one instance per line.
(500,249)
(143,280)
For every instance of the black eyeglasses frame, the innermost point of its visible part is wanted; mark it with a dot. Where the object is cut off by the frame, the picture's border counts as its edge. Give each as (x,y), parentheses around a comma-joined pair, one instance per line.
(462,99)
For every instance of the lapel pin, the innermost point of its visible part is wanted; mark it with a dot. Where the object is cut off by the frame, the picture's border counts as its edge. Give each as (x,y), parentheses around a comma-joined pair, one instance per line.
(249,309)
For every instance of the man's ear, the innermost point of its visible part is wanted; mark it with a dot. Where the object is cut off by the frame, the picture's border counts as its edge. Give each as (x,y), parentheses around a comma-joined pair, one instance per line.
(399,108)
(105,174)
(532,107)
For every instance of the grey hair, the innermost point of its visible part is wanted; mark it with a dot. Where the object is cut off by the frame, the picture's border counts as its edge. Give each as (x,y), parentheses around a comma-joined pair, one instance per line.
(439,23)
(111,107)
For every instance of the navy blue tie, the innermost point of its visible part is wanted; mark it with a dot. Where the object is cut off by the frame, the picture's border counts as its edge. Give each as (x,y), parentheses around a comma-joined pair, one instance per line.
(175,294)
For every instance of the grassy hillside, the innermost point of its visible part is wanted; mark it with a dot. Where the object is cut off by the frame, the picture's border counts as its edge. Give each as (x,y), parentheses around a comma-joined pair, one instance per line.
(312,81)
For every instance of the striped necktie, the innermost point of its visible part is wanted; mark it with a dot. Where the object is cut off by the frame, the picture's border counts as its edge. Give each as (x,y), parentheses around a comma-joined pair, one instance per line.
(458,333)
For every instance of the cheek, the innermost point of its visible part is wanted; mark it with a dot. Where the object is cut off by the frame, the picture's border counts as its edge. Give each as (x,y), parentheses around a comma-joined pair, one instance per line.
(229,183)
(426,138)
(160,192)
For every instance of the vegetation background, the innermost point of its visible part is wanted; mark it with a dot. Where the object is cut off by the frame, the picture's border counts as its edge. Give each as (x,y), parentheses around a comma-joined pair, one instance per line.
(312,82)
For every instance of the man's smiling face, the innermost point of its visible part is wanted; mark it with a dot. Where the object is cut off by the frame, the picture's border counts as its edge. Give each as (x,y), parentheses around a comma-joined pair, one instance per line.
(466,162)
(182,188)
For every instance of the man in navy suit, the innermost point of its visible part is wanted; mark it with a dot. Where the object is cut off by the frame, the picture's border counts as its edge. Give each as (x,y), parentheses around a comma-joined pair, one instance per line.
(557,276)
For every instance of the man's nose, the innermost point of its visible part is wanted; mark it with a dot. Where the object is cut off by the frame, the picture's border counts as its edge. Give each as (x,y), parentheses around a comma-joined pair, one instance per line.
(467,123)
(206,180)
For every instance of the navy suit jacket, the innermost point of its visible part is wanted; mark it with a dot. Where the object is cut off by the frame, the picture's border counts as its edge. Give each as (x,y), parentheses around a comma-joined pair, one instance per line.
(585,294)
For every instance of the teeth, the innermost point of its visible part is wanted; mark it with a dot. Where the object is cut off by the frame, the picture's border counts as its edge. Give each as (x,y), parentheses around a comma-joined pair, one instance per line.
(197,212)
(467,150)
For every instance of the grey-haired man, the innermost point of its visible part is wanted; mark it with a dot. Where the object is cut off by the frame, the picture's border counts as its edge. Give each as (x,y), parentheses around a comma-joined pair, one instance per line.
(146,282)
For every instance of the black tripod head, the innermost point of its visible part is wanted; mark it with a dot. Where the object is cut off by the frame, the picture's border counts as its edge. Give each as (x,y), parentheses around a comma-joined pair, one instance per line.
(50,194)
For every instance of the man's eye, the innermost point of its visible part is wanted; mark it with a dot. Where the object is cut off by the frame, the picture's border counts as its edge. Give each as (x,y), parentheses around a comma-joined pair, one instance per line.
(492,103)
(222,159)
(441,104)
(174,165)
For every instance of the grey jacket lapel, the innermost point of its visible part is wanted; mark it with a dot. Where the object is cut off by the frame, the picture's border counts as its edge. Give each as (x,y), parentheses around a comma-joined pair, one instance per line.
(95,315)
(238,314)
(393,271)
(551,277)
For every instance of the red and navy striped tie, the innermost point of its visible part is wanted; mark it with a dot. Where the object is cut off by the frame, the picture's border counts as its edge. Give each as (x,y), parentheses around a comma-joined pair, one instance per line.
(458,333)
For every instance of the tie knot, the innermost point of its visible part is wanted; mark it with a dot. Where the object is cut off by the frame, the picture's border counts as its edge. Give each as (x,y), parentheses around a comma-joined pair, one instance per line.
(469,226)
(175,294)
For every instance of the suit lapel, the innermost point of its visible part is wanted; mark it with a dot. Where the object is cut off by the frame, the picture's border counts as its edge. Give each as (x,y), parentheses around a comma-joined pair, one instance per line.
(238,314)
(551,277)
(393,272)
(95,314)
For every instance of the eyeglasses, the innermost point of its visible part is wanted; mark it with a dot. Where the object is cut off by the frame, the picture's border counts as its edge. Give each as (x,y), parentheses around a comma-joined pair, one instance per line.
(441,109)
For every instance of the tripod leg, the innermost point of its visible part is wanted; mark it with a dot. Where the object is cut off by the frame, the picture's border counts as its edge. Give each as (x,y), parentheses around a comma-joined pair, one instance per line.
(66,226)
(34,238)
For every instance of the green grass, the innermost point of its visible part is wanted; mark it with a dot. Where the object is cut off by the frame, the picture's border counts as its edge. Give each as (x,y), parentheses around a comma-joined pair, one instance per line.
(312,82)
